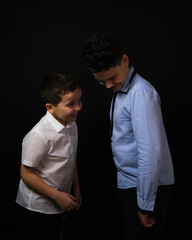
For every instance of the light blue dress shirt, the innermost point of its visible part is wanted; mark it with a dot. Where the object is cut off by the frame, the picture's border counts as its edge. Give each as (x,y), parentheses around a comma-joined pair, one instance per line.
(139,143)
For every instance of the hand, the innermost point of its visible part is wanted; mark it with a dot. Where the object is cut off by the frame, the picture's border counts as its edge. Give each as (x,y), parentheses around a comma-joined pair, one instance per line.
(77,195)
(66,201)
(146,221)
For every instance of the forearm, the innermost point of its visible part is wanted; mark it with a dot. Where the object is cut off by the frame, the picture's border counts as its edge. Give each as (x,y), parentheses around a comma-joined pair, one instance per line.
(147,128)
(76,188)
(76,179)
(146,192)
(29,176)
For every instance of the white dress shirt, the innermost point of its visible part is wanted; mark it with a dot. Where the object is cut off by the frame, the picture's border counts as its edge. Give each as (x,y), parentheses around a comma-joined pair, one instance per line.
(51,148)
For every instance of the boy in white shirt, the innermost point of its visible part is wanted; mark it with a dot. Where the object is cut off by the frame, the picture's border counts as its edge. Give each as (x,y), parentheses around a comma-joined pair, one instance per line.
(48,167)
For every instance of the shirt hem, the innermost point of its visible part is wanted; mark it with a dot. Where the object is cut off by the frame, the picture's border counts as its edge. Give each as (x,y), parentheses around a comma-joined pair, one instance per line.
(39,211)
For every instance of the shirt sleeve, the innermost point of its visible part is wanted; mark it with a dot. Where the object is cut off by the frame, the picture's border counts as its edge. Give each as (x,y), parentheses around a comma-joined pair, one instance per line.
(147,124)
(33,149)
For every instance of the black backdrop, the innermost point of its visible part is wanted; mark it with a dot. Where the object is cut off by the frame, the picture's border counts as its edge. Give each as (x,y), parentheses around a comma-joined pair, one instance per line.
(40,38)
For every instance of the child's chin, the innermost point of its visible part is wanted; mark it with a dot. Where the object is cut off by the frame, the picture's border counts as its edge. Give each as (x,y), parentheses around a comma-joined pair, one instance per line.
(73,119)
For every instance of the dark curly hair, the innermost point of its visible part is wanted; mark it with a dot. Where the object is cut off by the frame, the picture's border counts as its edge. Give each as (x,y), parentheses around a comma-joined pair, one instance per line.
(101,51)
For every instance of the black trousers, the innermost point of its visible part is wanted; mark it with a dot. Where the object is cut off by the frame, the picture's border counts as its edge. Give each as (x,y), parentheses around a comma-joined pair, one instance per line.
(38,226)
(133,229)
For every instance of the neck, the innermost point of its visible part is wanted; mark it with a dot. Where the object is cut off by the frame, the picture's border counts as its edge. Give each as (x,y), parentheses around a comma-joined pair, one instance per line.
(64,123)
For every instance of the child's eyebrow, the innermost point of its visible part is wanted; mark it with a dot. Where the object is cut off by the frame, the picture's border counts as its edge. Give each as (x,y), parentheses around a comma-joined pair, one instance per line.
(110,78)
(100,80)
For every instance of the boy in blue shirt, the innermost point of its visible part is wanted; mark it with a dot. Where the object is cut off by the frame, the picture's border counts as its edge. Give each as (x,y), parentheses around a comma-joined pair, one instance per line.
(138,139)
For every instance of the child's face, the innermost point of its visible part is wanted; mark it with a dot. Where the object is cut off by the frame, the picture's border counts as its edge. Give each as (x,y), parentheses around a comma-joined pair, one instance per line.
(115,77)
(67,110)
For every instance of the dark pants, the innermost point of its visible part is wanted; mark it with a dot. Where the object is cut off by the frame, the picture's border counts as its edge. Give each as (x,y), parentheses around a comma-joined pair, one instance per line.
(133,229)
(38,226)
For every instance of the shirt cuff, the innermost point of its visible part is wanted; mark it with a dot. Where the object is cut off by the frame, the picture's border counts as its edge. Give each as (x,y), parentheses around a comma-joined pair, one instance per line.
(145,211)
(145,205)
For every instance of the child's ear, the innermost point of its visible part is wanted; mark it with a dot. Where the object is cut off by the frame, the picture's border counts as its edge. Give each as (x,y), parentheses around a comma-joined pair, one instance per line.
(49,108)
(125,59)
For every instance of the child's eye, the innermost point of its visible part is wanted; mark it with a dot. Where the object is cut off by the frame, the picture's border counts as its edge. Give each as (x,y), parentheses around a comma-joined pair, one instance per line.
(101,82)
(70,104)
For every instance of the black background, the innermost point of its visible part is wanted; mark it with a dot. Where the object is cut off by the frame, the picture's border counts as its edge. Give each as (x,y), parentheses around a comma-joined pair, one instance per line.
(45,37)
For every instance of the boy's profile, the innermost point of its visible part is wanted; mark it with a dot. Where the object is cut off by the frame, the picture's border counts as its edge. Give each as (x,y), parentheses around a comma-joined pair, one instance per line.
(48,167)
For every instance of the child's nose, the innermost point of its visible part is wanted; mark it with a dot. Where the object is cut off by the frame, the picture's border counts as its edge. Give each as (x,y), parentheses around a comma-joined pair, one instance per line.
(109,84)
(78,108)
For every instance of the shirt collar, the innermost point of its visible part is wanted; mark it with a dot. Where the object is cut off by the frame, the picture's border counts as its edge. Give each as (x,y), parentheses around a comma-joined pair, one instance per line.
(55,123)
(126,85)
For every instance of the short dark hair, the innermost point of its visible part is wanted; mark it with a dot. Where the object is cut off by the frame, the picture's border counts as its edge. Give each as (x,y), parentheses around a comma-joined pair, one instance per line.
(57,84)
(101,51)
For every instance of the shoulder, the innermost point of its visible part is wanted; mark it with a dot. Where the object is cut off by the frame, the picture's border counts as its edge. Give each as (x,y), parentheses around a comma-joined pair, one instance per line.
(141,83)
(38,131)
(142,86)
(142,93)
